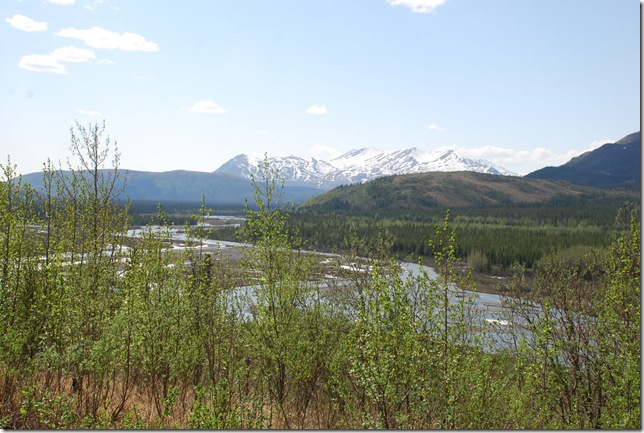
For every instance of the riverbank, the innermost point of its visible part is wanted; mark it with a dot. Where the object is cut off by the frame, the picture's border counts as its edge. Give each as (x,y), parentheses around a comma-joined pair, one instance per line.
(484,283)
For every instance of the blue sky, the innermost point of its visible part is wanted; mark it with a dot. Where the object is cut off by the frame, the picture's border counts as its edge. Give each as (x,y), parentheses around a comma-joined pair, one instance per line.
(190,84)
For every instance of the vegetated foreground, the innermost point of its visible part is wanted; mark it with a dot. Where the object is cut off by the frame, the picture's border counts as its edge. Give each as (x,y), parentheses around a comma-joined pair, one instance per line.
(99,330)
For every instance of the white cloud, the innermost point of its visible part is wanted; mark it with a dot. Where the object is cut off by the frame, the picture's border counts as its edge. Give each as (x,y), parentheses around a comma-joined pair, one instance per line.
(320,151)
(314,109)
(53,62)
(433,127)
(41,63)
(96,3)
(521,161)
(599,143)
(93,5)
(73,54)
(207,107)
(418,6)
(93,113)
(98,37)
(61,2)
(26,24)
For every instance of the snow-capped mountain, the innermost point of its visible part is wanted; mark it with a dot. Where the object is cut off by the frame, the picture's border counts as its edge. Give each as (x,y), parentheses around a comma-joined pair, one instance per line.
(360,165)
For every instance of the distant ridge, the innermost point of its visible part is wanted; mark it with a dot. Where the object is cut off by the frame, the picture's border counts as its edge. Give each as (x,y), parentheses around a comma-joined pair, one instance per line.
(187,186)
(303,178)
(613,165)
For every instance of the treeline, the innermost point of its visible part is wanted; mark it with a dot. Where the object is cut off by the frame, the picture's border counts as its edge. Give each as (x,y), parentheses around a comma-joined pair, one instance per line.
(178,213)
(100,331)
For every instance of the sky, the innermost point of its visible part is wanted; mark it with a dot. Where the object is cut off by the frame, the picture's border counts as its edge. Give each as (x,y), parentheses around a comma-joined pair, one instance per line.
(190,84)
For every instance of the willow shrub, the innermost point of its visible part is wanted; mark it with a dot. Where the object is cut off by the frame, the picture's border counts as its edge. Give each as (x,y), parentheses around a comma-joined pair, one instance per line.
(287,335)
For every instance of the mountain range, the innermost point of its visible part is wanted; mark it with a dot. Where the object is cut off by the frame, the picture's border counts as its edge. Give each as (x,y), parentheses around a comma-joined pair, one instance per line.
(359,166)
(185,186)
(613,165)
(607,175)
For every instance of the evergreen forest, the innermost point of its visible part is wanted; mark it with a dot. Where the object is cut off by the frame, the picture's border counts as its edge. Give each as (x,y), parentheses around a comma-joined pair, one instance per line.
(100,330)
(492,240)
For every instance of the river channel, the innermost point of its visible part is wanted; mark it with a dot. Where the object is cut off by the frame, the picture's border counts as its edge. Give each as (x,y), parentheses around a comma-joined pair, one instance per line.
(488,307)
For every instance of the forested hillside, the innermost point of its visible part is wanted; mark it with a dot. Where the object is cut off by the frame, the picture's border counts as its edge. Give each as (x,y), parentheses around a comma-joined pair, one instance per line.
(450,190)
(501,222)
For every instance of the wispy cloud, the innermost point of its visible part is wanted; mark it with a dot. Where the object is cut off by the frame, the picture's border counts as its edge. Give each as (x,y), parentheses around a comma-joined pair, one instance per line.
(53,62)
(324,152)
(418,6)
(598,143)
(433,127)
(207,107)
(89,113)
(61,2)
(93,5)
(315,109)
(26,24)
(73,54)
(98,37)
